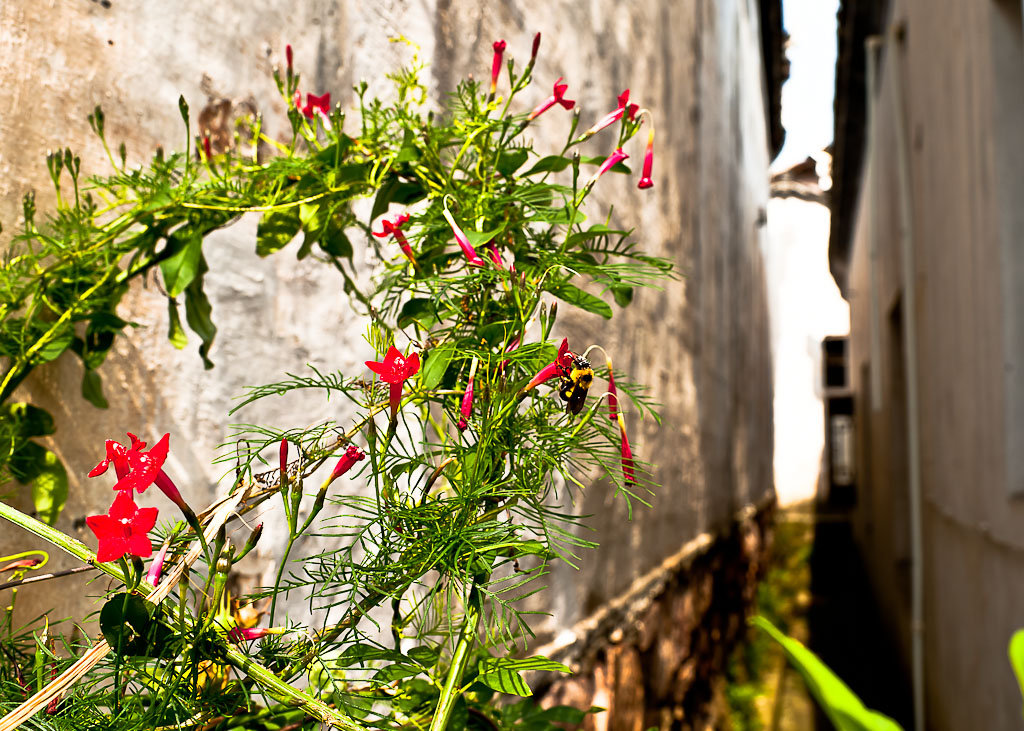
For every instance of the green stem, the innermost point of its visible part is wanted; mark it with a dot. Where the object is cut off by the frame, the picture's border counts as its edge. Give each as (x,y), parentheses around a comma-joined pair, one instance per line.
(280,575)
(449,693)
(287,694)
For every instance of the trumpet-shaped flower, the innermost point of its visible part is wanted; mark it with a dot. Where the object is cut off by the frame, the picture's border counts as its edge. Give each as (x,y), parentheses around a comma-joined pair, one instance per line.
(395,369)
(245,634)
(466,407)
(348,460)
(471,256)
(123,529)
(613,394)
(627,453)
(499,50)
(557,97)
(562,362)
(393,227)
(611,161)
(645,175)
(156,568)
(614,116)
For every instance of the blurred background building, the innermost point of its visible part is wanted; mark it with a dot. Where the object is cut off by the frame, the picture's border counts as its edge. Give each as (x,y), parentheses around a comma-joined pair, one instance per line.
(927,245)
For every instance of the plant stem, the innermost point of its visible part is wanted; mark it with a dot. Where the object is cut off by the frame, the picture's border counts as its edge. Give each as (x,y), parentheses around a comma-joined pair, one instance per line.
(280,574)
(449,693)
(286,693)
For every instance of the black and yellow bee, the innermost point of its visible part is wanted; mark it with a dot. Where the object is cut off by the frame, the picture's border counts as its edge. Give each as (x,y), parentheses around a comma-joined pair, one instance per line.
(576,379)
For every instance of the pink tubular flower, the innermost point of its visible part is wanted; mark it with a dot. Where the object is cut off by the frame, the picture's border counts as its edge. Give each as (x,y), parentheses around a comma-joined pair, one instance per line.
(348,460)
(157,567)
(611,161)
(536,47)
(495,256)
(645,175)
(471,256)
(467,404)
(627,454)
(499,50)
(614,116)
(288,57)
(395,369)
(243,634)
(25,563)
(562,361)
(512,346)
(282,458)
(557,97)
(123,529)
(613,394)
(393,227)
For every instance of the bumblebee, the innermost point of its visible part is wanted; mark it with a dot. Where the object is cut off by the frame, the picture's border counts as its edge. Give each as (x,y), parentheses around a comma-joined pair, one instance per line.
(576,379)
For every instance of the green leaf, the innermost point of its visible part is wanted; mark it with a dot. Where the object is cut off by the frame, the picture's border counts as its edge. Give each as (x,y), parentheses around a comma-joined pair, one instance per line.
(197,314)
(479,238)
(127,622)
(92,389)
(577,297)
(425,656)
(383,199)
(180,267)
(841,705)
(54,346)
(333,239)
(503,674)
(618,167)
(276,230)
(27,461)
(435,364)
(1016,653)
(50,489)
(419,310)
(175,330)
(30,421)
(511,160)
(623,295)
(549,164)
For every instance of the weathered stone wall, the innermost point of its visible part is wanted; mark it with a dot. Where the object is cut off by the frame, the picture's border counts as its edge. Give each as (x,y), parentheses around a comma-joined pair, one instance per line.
(701,343)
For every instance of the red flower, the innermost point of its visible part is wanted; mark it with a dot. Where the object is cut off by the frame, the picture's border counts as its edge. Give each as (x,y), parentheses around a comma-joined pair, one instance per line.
(466,408)
(645,175)
(614,116)
(288,57)
(460,236)
(495,256)
(242,634)
(123,529)
(613,394)
(557,97)
(352,455)
(314,104)
(395,369)
(627,454)
(393,227)
(533,51)
(499,49)
(562,362)
(135,469)
(611,161)
(157,567)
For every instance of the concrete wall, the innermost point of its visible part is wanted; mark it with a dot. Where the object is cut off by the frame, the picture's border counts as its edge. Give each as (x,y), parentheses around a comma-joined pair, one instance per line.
(959,137)
(702,343)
